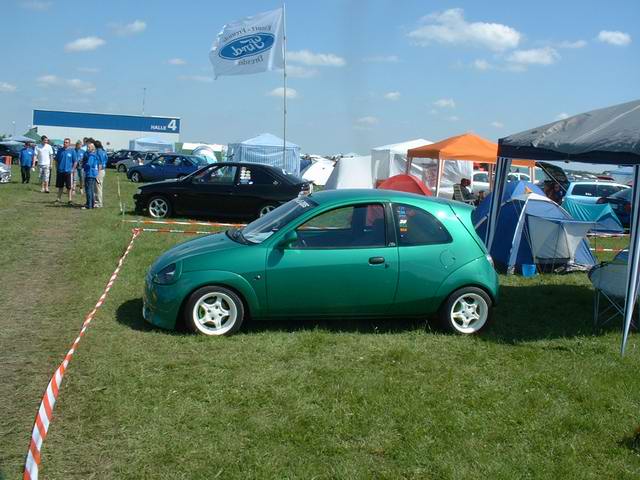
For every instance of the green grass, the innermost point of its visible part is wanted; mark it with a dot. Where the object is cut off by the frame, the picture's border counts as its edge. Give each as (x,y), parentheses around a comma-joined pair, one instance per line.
(539,395)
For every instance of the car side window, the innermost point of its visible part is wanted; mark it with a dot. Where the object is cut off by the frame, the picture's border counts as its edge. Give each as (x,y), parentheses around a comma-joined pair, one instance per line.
(255,176)
(354,226)
(219,175)
(160,161)
(415,226)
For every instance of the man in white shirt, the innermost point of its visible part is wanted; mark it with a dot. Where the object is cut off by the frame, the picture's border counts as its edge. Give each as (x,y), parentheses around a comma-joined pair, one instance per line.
(44,155)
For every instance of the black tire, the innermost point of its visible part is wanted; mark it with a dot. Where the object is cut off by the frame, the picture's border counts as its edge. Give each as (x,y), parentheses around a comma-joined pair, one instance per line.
(266,208)
(457,314)
(159,206)
(122,168)
(213,324)
(136,177)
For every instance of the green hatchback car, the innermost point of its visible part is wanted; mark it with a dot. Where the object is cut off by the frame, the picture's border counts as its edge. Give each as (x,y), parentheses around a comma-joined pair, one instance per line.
(340,253)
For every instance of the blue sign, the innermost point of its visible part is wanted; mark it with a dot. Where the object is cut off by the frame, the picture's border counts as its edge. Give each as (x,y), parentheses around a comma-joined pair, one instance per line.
(102,121)
(247,46)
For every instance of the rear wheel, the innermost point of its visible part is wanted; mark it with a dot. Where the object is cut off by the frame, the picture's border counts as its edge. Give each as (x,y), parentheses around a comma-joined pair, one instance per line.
(214,311)
(122,168)
(159,207)
(266,209)
(466,311)
(136,177)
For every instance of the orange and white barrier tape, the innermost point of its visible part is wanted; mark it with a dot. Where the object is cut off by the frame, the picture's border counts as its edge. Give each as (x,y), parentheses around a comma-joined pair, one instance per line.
(169,230)
(45,412)
(615,250)
(607,235)
(185,222)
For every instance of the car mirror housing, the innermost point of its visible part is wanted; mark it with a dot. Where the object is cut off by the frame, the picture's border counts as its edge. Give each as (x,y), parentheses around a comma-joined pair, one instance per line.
(288,239)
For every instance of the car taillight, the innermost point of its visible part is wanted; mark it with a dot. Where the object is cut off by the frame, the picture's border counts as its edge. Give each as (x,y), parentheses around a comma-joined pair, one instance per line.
(601,200)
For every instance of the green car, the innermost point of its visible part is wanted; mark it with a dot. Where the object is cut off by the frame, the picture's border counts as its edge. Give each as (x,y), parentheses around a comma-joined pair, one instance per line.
(340,253)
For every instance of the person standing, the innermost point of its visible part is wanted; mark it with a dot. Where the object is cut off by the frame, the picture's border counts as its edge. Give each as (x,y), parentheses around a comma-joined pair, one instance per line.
(44,156)
(102,157)
(65,165)
(90,168)
(80,153)
(26,162)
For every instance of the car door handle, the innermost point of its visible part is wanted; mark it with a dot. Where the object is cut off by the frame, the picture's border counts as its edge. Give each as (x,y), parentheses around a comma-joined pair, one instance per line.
(376,260)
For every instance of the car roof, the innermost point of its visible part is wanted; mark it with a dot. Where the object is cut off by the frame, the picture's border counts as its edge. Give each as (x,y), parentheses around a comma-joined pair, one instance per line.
(381,195)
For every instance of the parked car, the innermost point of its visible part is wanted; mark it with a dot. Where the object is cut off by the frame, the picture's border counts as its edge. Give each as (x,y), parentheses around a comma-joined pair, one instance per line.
(518,177)
(479,181)
(229,189)
(5,173)
(590,192)
(621,205)
(166,166)
(140,159)
(10,149)
(358,253)
(114,157)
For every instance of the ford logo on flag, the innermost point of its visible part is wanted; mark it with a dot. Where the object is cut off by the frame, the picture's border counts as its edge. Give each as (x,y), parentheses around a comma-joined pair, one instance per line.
(247,46)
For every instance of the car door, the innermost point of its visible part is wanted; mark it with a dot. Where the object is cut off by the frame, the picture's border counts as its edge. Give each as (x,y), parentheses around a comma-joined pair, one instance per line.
(427,254)
(254,189)
(209,192)
(153,171)
(344,263)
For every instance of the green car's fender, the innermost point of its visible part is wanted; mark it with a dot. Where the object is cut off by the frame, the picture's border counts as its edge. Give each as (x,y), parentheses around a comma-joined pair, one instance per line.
(476,273)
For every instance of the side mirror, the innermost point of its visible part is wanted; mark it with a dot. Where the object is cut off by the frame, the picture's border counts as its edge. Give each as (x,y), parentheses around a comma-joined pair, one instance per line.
(288,239)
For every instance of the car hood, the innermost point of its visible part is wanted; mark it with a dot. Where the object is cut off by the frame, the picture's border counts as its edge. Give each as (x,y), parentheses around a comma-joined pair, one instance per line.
(188,251)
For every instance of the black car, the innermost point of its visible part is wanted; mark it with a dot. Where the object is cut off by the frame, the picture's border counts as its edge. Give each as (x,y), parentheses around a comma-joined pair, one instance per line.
(221,190)
(621,205)
(10,150)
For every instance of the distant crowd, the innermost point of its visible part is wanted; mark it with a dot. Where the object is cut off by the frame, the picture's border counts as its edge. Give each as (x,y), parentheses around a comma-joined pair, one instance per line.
(79,169)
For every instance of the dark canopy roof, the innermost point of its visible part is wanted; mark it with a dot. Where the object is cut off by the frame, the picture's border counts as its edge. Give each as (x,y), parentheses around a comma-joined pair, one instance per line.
(608,135)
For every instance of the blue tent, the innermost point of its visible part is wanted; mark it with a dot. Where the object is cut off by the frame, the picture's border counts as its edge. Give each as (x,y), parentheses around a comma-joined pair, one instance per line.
(602,215)
(532,229)
(266,149)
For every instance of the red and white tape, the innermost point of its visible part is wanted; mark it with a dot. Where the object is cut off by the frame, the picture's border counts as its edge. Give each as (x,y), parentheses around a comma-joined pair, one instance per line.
(185,222)
(615,250)
(45,412)
(608,235)
(169,230)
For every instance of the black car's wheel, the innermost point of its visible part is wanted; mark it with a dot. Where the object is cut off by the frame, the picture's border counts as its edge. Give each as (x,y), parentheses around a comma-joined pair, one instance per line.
(136,177)
(466,311)
(159,207)
(214,311)
(122,168)
(266,208)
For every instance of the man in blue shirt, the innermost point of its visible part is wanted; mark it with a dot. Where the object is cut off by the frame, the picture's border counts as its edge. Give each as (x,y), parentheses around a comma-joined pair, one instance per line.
(90,167)
(66,163)
(26,162)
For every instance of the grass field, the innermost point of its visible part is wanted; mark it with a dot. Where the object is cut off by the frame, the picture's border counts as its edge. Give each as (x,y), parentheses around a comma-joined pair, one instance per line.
(539,395)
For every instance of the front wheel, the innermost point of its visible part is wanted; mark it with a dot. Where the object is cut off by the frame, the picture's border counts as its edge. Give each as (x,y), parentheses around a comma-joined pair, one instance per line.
(136,177)
(159,207)
(466,311)
(122,168)
(214,311)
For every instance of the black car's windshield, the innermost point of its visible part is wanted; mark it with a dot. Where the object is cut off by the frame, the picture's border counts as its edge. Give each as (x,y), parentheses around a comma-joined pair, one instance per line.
(262,228)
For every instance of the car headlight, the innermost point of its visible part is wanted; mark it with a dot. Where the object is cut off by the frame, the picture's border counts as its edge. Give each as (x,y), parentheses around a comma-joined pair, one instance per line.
(167,275)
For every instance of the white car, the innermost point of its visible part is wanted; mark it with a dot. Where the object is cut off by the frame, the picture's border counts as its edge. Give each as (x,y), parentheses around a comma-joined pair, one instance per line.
(140,159)
(590,192)
(479,181)
(518,177)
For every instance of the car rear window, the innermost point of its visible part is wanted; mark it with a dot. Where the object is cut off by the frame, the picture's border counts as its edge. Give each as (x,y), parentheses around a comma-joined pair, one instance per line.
(607,190)
(624,194)
(585,190)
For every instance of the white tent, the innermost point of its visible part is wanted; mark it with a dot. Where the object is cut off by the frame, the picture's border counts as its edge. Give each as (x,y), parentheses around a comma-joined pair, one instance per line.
(390,160)
(319,171)
(351,172)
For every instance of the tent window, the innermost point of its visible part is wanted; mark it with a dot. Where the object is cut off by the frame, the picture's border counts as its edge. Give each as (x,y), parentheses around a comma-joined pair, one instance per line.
(414,226)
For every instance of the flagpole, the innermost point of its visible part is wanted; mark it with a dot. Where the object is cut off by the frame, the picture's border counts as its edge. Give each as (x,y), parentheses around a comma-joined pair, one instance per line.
(284,81)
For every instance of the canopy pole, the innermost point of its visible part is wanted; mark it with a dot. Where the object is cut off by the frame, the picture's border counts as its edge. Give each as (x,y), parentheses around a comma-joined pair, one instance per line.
(633,261)
(284,82)
(502,169)
(439,175)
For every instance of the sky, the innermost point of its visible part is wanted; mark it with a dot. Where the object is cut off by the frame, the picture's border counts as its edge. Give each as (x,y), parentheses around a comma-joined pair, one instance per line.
(360,73)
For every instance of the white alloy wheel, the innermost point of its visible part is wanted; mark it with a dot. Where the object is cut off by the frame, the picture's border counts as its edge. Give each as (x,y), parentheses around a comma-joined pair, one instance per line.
(214,313)
(469,312)
(159,207)
(266,209)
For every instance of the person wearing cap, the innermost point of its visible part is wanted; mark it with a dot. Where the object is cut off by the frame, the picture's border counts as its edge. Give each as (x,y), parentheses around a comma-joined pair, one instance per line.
(65,165)
(27,162)
(44,157)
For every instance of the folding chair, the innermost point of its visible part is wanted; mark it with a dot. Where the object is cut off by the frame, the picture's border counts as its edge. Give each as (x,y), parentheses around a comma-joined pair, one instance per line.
(457,195)
(609,282)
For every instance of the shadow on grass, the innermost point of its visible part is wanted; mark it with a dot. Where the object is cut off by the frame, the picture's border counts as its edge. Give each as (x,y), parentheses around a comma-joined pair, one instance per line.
(130,314)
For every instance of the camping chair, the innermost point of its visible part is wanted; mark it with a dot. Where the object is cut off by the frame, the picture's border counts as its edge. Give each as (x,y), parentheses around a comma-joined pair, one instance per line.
(609,282)
(457,195)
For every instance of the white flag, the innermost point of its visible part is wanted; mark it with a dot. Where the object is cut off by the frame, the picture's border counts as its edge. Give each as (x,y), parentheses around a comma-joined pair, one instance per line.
(250,45)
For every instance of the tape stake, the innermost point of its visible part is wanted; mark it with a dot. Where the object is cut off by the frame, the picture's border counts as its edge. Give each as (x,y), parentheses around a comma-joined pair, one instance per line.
(50,396)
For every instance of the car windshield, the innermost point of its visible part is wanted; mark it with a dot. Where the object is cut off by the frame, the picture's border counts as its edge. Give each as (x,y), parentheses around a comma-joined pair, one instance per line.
(262,228)
(199,161)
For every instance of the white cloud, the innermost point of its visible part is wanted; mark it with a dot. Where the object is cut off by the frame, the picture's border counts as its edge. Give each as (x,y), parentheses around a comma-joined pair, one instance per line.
(497,124)
(301,72)
(368,120)
(88,69)
(562,116)
(81,85)
(48,80)
(137,26)
(76,84)
(36,5)
(84,44)
(453,118)
(534,56)
(481,64)
(451,28)
(382,59)
(7,87)
(576,44)
(196,78)
(619,39)
(445,103)
(309,58)
(279,92)
(392,96)
(176,61)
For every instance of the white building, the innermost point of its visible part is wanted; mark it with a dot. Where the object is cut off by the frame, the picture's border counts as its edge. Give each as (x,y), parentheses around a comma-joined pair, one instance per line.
(114,131)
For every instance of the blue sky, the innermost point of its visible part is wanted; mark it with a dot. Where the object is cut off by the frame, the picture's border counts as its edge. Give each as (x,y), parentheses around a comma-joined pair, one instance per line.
(365,73)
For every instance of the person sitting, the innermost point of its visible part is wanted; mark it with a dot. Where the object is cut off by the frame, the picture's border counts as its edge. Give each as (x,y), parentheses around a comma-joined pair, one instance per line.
(462,193)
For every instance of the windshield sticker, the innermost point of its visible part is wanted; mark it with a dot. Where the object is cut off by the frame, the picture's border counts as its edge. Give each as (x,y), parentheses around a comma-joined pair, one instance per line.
(302,202)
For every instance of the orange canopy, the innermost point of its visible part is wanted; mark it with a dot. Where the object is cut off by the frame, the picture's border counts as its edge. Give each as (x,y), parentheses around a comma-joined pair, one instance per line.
(464,147)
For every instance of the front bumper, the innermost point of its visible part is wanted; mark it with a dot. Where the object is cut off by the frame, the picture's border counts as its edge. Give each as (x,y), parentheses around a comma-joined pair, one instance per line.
(161,303)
